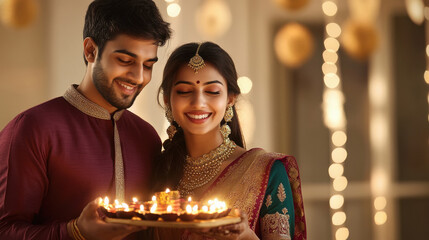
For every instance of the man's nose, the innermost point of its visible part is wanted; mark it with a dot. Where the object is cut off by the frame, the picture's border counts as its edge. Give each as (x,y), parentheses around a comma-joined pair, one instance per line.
(136,73)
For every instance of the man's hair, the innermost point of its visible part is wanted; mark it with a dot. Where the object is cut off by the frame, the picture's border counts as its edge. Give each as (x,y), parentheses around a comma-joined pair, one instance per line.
(105,19)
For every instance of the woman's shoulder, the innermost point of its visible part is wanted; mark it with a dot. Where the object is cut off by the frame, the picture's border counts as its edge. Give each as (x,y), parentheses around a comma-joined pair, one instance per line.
(262,154)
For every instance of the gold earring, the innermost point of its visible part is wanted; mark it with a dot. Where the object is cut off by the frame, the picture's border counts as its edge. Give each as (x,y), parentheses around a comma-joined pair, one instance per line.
(225,130)
(171,130)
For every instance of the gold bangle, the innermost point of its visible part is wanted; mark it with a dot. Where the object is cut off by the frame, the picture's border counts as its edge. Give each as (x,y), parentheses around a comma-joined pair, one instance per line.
(76,232)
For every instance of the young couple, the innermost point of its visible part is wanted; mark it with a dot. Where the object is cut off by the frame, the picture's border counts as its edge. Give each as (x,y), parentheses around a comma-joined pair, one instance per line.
(62,154)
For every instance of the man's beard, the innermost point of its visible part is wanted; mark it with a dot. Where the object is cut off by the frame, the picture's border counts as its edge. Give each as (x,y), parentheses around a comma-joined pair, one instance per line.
(107,91)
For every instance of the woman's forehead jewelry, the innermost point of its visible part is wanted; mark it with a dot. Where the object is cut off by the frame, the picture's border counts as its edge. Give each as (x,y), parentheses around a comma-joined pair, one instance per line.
(196,62)
(198,82)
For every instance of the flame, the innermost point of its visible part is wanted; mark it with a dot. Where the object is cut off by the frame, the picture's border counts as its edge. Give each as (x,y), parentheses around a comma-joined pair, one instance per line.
(205,209)
(135,200)
(169,209)
(167,190)
(153,208)
(189,209)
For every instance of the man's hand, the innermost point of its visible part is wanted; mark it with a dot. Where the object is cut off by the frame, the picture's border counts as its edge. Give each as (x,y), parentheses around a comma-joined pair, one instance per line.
(92,227)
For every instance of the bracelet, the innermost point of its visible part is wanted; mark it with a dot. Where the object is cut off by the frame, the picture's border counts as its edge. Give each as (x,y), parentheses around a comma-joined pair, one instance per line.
(75,230)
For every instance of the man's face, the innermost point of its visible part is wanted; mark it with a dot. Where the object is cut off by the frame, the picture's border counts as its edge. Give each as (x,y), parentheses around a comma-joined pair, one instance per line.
(124,69)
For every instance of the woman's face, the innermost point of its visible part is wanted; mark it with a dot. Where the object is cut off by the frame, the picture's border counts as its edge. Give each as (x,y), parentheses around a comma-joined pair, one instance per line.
(199,100)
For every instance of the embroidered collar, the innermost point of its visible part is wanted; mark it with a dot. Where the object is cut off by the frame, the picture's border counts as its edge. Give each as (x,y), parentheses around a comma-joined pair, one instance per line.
(75,98)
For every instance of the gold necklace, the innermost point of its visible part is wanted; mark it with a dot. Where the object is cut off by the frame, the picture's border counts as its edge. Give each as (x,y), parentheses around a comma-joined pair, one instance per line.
(201,170)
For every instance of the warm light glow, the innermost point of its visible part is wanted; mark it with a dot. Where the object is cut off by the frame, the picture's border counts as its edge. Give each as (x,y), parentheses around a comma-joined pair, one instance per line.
(339,138)
(331,80)
(135,200)
(213,18)
(195,208)
(293,44)
(339,155)
(329,68)
(426,76)
(378,130)
(415,10)
(426,13)
(380,218)
(339,218)
(173,10)
(330,56)
(378,91)
(188,209)
(340,183)
(379,181)
(336,170)
(333,112)
(169,1)
(205,208)
(332,44)
(342,233)
(427,50)
(380,203)
(125,207)
(141,208)
(153,208)
(169,209)
(167,190)
(333,30)
(189,199)
(329,8)
(336,201)
(153,198)
(245,84)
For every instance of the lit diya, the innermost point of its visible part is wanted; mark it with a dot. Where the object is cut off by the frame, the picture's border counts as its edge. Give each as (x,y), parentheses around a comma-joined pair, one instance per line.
(166,206)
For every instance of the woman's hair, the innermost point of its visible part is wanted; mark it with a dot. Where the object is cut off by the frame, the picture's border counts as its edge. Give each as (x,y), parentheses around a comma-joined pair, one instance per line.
(171,163)
(105,19)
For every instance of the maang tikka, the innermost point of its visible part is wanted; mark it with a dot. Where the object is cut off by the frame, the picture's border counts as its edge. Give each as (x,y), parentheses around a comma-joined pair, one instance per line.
(171,130)
(225,130)
(196,62)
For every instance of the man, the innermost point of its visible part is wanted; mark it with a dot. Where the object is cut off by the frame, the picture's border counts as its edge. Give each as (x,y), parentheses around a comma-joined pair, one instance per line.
(57,157)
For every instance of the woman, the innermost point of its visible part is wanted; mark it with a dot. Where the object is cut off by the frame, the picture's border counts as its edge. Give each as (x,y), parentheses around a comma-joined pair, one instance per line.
(205,154)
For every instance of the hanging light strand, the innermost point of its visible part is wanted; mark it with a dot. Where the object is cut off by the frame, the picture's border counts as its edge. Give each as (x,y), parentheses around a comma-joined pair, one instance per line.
(335,119)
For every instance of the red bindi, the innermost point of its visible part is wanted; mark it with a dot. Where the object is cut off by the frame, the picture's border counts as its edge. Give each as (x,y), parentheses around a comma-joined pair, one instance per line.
(198,82)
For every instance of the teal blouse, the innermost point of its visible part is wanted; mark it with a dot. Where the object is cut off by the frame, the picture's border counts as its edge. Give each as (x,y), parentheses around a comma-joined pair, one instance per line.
(278,196)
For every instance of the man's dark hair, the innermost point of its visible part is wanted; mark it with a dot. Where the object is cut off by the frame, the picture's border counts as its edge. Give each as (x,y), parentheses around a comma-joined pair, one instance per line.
(105,19)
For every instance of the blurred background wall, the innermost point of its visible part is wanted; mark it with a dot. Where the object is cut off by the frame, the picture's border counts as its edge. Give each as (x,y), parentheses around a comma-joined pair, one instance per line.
(339,84)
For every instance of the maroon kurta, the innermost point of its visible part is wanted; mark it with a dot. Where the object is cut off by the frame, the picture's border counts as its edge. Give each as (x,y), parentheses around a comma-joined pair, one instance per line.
(54,159)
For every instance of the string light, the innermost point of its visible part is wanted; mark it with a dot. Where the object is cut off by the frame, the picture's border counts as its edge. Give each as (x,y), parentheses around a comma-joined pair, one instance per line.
(334,119)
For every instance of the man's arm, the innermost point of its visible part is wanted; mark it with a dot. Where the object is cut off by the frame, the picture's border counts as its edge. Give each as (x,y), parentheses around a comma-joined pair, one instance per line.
(24,182)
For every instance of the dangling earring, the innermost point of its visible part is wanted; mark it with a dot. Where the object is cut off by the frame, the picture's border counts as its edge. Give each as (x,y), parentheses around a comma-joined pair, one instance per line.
(225,130)
(171,130)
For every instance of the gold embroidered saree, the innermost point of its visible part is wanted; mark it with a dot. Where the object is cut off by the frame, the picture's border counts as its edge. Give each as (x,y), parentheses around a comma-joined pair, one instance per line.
(243,185)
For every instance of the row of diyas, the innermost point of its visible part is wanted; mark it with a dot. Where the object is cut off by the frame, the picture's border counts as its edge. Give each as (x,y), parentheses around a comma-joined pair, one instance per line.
(166,206)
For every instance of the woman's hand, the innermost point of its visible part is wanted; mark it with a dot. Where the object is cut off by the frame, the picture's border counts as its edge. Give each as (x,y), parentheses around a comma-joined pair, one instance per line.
(236,231)
(92,227)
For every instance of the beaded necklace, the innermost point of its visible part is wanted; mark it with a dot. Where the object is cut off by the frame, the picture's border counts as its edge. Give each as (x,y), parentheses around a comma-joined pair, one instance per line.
(201,170)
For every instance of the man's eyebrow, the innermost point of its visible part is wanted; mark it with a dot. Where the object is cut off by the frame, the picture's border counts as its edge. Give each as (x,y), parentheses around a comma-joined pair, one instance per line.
(155,59)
